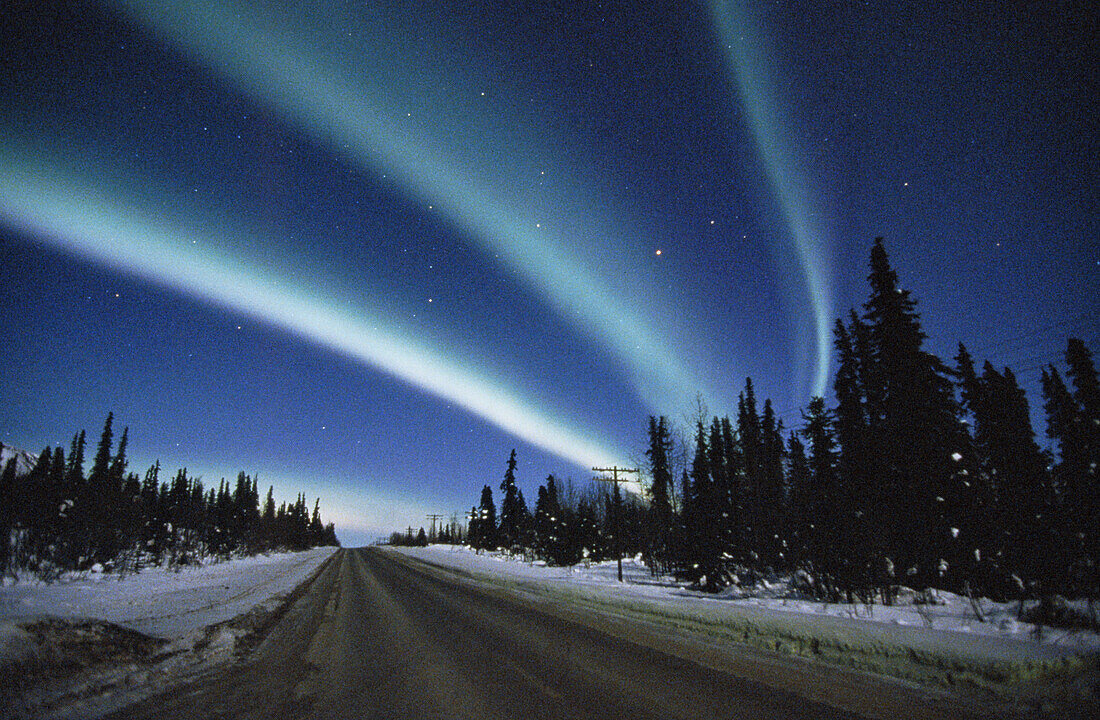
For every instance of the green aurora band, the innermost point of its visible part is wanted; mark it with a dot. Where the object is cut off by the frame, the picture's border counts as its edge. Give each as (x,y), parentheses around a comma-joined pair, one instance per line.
(277,61)
(746,56)
(60,208)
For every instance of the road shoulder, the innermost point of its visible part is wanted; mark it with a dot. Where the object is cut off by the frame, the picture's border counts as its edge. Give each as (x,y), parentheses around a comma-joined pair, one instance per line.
(832,662)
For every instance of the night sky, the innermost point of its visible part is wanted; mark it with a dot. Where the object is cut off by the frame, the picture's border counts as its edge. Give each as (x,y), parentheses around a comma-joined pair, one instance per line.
(366,249)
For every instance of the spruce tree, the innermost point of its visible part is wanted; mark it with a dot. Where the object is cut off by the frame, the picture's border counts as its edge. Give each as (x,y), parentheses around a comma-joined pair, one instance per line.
(151,533)
(915,432)
(829,521)
(548,535)
(702,521)
(755,525)
(511,511)
(102,461)
(660,519)
(93,511)
(473,529)
(585,539)
(800,518)
(847,525)
(979,535)
(316,527)
(1081,441)
(486,521)
(558,545)
(772,493)
(749,432)
(1073,420)
(542,523)
(970,390)
(70,533)
(720,514)
(74,470)
(267,520)
(1016,468)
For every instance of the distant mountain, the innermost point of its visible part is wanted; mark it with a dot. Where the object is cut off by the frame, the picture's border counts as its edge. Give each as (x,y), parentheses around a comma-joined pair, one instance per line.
(24,461)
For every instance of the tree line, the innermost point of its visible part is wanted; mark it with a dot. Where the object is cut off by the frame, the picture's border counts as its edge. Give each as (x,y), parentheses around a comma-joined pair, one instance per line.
(57,518)
(921,474)
(566,526)
(452,533)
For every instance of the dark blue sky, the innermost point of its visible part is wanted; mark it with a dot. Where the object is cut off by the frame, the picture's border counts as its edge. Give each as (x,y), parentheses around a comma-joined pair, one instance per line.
(365,249)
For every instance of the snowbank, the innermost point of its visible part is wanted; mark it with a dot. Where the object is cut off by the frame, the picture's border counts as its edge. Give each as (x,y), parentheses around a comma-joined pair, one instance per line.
(162,603)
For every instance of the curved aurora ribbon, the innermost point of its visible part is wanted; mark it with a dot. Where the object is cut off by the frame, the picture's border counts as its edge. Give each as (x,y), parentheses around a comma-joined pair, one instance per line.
(747,61)
(267,60)
(61,209)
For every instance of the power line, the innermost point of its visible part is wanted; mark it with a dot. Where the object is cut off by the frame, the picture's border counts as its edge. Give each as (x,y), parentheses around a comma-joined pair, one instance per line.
(1083,321)
(615,470)
(433,517)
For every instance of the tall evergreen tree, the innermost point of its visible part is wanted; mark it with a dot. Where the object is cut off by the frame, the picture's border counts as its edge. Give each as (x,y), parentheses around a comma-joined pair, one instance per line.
(585,540)
(1073,421)
(509,530)
(850,527)
(316,527)
(267,519)
(970,390)
(660,520)
(756,514)
(74,470)
(720,469)
(483,531)
(153,532)
(800,517)
(117,469)
(101,463)
(830,521)
(772,492)
(752,440)
(70,533)
(702,544)
(915,428)
(1013,469)
(978,535)
(549,522)
(94,511)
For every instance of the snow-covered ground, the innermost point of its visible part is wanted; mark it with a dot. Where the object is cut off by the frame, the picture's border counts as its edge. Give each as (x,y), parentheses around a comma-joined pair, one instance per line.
(951,627)
(67,650)
(164,603)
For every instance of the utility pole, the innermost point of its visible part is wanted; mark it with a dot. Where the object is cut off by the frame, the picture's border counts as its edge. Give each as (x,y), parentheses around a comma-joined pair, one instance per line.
(433,518)
(454,529)
(617,505)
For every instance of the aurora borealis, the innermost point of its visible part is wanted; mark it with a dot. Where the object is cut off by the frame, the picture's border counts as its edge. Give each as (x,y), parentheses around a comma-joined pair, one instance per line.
(368,248)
